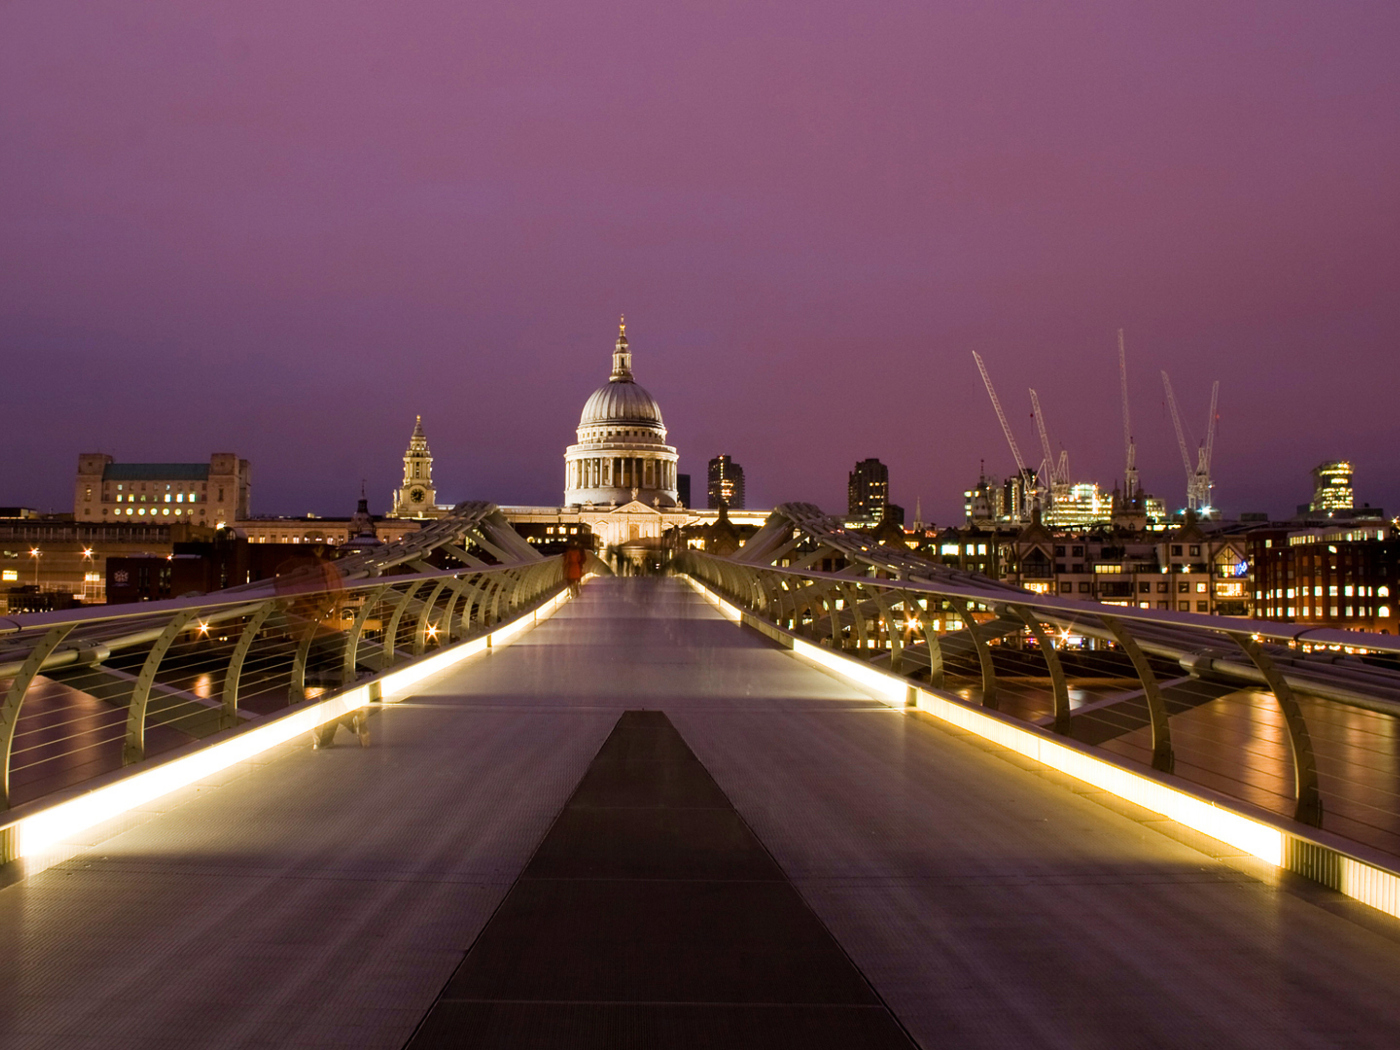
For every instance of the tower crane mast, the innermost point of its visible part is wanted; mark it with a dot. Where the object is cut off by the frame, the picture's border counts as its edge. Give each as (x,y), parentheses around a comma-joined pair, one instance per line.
(1130,474)
(1056,472)
(1198,484)
(1204,485)
(1022,511)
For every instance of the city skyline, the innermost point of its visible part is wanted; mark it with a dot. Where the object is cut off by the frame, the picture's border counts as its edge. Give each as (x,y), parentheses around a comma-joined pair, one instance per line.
(201,251)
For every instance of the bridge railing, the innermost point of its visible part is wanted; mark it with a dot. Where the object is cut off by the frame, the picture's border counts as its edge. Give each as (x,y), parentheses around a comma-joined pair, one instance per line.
(87,692)
(1290,718)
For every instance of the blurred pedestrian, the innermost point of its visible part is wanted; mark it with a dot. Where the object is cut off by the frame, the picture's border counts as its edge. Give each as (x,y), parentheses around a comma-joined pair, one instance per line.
(574,560)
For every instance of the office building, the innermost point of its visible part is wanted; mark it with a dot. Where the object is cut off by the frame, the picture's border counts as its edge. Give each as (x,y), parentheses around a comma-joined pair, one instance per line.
(1332,487)
(868,490)
(726,484)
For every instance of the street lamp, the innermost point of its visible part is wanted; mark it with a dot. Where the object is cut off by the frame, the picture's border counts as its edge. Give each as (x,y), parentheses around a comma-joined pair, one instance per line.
(35,554)
(89,563)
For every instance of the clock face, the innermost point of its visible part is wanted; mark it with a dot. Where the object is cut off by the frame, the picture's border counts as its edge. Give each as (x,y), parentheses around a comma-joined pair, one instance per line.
(416,495)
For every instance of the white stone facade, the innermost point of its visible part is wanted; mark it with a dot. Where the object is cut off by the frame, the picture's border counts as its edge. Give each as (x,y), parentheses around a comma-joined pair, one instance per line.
(621,455)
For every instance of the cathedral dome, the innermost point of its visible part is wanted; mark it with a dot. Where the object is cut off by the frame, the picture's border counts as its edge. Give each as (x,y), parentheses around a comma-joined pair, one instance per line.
(621,455)
(621,401)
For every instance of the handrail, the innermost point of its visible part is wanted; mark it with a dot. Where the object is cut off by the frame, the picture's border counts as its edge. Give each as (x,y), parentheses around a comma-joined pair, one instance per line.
(122,683)
(914,626)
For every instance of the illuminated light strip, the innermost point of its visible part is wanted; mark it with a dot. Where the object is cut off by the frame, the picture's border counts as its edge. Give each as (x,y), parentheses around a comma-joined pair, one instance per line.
(729,612)
(1368,883)
(41,832)
(890,690)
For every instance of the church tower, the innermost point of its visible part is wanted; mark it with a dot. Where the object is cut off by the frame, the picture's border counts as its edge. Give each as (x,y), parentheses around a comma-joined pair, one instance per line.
(415,498)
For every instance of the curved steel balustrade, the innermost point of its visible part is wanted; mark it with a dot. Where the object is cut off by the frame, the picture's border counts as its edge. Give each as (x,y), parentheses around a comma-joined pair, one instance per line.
(91,690)
(1296,719)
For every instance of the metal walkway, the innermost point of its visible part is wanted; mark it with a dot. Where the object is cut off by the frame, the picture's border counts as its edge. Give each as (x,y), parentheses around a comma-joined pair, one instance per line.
(327,898)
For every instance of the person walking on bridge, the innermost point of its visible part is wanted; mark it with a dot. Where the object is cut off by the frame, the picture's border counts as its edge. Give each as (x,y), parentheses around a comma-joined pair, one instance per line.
(574,559)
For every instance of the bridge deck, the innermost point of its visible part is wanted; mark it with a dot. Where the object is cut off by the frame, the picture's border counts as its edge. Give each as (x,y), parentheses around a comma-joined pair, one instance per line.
(327,898)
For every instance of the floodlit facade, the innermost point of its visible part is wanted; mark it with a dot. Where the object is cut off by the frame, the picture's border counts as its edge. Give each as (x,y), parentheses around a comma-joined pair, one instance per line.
(415,497)
(621,455)
(212,493)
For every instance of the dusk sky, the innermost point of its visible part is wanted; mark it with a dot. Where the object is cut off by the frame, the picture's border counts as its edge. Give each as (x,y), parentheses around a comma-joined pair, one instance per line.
(284,228)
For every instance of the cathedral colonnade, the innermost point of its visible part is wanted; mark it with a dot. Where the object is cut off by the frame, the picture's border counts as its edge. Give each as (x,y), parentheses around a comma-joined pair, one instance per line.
(627,472)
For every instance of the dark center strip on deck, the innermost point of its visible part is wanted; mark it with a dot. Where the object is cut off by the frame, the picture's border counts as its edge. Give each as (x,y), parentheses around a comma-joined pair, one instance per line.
(651,916)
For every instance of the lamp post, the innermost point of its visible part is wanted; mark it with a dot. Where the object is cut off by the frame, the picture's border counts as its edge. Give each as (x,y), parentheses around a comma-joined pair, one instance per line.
(88,563)
(35,553)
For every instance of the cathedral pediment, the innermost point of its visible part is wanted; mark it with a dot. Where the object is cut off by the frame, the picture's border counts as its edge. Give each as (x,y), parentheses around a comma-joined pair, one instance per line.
(638,507)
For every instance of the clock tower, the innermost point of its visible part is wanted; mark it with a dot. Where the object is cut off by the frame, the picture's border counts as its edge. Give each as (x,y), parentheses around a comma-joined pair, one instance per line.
(415,498)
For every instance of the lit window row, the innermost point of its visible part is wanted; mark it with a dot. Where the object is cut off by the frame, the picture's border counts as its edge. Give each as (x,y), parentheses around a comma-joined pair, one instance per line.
(179,498)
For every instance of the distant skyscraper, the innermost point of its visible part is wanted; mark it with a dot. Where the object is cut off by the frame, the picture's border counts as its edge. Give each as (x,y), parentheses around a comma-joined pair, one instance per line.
(683,489)
(726,483)
(868,489)
(1332,487)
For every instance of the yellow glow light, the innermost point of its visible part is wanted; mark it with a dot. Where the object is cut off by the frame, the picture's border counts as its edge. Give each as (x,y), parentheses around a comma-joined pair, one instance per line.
(44,832)
(1376,887)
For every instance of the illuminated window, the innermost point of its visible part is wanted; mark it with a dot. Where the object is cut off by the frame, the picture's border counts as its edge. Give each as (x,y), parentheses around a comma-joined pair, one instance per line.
(1200,588)
(1383,592)
(9,574)
(1384,610)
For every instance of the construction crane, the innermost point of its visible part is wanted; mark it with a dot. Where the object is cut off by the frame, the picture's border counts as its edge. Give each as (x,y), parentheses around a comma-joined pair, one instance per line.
(1205,487)
(1054,474)
(1130,474)
(1199,487)
(1022,511)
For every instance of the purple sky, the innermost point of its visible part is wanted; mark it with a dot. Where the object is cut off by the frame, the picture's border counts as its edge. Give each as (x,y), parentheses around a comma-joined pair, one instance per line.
(284,228)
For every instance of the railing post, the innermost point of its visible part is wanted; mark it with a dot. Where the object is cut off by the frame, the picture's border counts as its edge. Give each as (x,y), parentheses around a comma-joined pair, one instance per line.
(134,749)
(935,647)
(228,714)
(831,597)
(471,591)
(14,699)
(1162,757)
(1305,788)
(350,656)
(391,632)
(420,632)
(851,594)
(1059,686)
(296,687)
(891,635)
(984,657)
